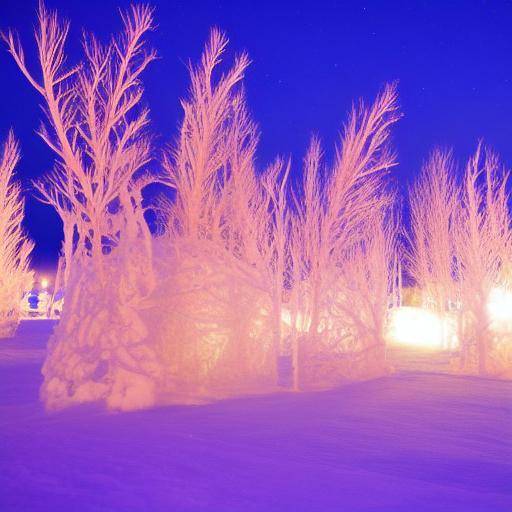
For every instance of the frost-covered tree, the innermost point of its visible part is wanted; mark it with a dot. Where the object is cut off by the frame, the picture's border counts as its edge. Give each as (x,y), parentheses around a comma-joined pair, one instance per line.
(237,253)
(360,298)
(97,129)
(274,242)
(220,237)
(461,252)
(199,165)
(431,260)
(15,276)
(93,124)
(483,244)
(334,216)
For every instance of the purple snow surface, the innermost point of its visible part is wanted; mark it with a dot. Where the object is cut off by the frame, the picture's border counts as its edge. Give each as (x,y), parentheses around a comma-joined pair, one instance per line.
(410,442)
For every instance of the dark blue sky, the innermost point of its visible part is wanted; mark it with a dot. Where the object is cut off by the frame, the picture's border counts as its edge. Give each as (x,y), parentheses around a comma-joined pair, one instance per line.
(453,60)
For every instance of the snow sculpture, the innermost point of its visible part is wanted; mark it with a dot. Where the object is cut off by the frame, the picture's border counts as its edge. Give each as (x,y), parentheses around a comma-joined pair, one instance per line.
(15,248)
(100,349)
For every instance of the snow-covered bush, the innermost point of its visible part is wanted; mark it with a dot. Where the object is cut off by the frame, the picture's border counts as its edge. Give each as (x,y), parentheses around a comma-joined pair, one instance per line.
(15,276)
(100,350)
(212,327)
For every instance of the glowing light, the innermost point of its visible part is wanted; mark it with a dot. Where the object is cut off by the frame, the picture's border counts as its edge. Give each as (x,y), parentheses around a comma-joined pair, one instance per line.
(420,327)
(302,323)
(499,307)
(44,283)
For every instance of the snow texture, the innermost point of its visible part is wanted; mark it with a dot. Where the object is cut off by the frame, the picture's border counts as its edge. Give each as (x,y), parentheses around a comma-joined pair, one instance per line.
(416,440)
(100,349)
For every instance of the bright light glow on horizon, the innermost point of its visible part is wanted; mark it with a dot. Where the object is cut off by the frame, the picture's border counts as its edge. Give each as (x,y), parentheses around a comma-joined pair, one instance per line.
(44,283)
(499,307)
(418,327)
(421,327)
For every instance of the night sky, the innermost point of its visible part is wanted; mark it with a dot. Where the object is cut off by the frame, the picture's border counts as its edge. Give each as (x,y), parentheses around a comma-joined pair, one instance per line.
(453,61)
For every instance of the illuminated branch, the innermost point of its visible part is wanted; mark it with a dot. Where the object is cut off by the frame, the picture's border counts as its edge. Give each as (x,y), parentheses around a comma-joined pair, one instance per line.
(339,202)
(483,250)
(197,167)
(431,259)
(94,126)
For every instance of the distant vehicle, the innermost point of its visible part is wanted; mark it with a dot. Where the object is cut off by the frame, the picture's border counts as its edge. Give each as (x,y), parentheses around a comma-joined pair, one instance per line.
(29,304)
(38,304)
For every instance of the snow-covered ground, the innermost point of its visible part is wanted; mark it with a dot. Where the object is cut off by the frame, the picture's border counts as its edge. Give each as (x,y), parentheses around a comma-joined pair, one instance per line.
(414,441)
